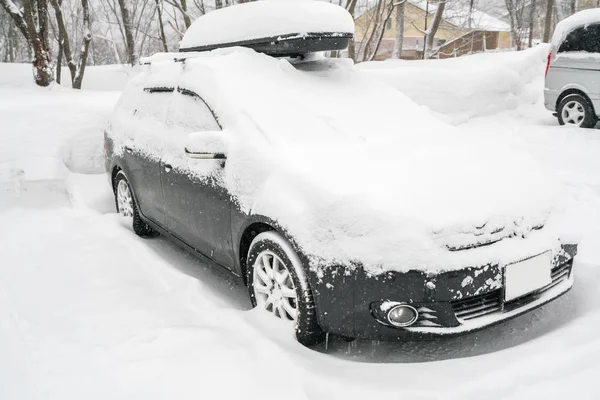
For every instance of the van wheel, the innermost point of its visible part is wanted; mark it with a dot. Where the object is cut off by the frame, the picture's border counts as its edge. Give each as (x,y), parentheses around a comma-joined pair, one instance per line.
(127,208)
(278,285)
(576,110)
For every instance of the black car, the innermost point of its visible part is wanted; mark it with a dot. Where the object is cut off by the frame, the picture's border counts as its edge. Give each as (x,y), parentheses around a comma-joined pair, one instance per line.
(190,154)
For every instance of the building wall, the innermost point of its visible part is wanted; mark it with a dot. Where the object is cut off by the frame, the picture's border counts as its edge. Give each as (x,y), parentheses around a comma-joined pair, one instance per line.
(414,25)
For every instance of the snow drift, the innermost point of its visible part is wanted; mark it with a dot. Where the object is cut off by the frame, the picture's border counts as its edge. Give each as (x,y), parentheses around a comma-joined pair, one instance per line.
(459,89)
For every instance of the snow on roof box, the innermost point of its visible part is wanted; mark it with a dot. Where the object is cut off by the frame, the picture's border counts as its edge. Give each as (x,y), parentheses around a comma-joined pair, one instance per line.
(278,28)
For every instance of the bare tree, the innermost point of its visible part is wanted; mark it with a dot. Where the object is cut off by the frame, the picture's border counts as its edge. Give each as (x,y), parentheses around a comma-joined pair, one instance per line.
(399,33)
(127,27)
(432,31)
(518,21)
(77,69)
(181,5)
(548,20)
(32,22)
(161,26)
(351,7)
(382,23)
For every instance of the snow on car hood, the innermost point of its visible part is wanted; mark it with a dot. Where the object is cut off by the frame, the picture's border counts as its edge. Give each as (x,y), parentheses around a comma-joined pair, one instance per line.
(356,172)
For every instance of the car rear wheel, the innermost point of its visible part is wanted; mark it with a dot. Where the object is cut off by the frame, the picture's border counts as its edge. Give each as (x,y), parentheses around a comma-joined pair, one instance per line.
(576,110)
(278,285)
(127,208)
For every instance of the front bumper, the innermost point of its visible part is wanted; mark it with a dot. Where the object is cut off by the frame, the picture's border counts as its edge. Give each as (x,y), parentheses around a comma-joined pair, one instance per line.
(449,303)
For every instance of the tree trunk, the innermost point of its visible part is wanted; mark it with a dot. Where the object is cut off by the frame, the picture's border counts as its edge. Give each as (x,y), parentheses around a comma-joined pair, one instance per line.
(218,4)
(63,37)
(383,23)
(131,56)
(42,65)
(161,26)
(351,7)
(11,39)
(85,48)
(369,43)
(59,57)
(531,18)
(435,24)
(399,33)
(548,21)
(186,17)
(560,10)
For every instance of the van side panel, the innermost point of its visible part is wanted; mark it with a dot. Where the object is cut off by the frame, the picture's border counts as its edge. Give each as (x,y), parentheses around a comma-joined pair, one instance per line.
(572,73)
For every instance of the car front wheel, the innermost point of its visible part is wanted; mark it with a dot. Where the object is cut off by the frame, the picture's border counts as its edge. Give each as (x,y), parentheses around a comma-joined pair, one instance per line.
(127,208)
(576,110)
(278,285)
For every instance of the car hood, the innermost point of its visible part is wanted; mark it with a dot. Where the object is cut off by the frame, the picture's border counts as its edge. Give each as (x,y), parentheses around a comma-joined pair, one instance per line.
(396,206)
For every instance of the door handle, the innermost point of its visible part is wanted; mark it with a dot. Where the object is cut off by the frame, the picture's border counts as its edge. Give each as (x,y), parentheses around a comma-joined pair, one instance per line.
(168,167)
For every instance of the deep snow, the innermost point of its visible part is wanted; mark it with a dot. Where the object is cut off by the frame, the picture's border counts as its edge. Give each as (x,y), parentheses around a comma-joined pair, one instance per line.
(88,310)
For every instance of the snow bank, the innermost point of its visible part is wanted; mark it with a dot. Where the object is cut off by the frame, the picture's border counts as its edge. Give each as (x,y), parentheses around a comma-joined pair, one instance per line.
(356,171)
(103,78)
(577,20)
(265,19)
(462,88)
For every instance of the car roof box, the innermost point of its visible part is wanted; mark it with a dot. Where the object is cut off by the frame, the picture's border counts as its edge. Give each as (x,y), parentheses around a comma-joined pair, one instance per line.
(276,28)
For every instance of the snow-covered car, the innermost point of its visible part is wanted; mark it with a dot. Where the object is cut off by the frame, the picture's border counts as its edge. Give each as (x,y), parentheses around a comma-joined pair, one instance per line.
(327,193)
(572,88)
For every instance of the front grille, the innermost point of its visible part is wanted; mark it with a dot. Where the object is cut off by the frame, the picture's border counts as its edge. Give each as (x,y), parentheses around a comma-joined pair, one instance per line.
(478,306)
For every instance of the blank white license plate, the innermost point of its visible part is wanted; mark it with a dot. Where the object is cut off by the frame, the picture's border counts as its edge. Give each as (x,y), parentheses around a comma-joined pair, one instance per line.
(527,276)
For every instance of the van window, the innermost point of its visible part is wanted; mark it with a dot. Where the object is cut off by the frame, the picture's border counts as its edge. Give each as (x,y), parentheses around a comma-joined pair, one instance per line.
(586,39)
(190,113)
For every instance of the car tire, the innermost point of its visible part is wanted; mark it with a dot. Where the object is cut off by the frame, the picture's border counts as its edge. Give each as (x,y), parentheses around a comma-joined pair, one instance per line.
(127,207)
(272,291)
(576,110)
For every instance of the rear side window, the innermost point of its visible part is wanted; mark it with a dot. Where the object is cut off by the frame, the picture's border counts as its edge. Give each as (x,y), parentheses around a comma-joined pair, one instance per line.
(586,39)
(190,113)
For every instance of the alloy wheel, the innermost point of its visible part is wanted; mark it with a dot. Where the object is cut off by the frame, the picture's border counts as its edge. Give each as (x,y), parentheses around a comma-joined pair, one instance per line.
(573,113)
(124,199)
(274,289)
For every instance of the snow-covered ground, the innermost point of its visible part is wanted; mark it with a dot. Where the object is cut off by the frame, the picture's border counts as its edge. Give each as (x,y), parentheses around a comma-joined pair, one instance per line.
(89,310)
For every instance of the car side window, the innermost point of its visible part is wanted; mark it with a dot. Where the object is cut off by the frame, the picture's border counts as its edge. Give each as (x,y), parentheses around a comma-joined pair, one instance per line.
(586,39)
(190,113)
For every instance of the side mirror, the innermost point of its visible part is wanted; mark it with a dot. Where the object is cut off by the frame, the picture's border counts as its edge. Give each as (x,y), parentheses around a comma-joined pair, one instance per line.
(211,145)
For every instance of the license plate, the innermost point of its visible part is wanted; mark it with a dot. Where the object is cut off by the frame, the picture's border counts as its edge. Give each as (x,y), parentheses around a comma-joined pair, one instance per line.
(526,276)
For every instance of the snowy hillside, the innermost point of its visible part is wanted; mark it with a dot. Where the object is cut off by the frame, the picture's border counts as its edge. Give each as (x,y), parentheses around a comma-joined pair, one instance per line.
(90,311)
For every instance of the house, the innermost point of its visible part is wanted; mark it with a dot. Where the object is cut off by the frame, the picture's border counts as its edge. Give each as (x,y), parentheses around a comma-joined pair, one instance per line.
(461,31)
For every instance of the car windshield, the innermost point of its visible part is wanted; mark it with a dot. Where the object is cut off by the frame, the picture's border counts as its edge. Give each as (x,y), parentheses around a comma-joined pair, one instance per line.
(325,101)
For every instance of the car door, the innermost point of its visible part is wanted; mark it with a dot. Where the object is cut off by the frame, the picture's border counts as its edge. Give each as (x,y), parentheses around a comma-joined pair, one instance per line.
(143,145)
(197,207)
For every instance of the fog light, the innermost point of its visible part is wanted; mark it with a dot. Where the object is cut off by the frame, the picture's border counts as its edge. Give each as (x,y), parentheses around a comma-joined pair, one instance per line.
(402,315)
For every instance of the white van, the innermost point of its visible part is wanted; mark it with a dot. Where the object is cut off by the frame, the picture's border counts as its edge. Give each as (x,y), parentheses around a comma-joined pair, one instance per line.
(572,88)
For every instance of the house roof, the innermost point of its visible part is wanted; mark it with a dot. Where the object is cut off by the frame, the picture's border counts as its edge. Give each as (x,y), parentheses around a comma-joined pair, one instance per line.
(458,15)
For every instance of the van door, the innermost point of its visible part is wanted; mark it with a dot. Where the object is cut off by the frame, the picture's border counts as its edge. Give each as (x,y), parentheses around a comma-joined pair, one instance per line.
(197,207)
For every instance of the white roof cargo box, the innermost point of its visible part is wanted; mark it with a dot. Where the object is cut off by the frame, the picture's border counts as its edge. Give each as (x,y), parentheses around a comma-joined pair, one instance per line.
(277,28)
